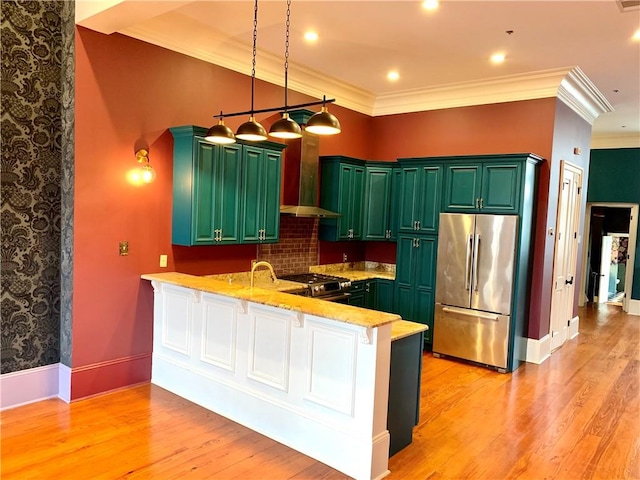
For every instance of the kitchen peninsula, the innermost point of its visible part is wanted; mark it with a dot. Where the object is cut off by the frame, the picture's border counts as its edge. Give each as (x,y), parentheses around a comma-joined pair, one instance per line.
(310,374)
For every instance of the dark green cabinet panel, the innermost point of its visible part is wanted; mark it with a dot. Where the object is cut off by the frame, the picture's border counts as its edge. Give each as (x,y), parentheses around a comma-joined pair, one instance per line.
(357,297)
(260,196)
(342,191)
(221,193)
(207,178)
(415,279)
(462,188)
(418,198)
(501,184)
(384,295)
(377,199)
(487,187)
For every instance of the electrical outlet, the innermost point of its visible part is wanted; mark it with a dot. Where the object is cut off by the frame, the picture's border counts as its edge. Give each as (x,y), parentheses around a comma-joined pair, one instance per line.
(163,261)
(344,257)
(124,248)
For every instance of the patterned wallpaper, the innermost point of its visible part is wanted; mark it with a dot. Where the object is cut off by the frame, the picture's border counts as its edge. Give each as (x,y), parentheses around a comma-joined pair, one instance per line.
(32,51)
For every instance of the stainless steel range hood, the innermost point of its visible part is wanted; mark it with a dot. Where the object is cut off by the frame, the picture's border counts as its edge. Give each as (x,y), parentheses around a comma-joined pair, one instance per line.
(301,171)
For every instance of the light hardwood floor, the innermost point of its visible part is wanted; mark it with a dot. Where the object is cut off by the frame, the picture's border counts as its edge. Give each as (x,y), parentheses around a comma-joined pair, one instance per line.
(574,416)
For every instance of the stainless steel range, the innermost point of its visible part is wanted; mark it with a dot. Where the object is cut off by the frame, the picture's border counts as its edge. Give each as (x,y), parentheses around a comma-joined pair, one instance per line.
(321,286)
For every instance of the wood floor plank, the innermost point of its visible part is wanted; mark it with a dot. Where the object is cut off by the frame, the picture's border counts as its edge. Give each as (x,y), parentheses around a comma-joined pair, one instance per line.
(574,416)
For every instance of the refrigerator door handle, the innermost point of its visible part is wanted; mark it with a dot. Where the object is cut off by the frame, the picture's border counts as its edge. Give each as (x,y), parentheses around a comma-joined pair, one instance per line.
(476,253)
(470,313)
(467,264)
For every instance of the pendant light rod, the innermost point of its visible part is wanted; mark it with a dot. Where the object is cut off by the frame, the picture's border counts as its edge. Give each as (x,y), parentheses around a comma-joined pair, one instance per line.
(275,109)
(253,56)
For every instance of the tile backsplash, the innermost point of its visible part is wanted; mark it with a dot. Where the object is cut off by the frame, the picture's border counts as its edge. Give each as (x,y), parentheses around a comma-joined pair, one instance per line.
(297,248)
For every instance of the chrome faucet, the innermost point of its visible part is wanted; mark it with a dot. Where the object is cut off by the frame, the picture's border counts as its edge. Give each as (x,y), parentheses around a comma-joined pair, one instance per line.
(263,264)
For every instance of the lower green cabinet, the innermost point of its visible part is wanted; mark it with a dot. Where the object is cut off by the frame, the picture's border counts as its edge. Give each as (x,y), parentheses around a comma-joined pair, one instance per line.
(375,294)
(384,295)
(414,295)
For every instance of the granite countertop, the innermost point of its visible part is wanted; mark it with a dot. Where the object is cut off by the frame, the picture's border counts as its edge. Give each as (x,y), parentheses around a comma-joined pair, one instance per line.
(273,297)
(356,271)
(403,328)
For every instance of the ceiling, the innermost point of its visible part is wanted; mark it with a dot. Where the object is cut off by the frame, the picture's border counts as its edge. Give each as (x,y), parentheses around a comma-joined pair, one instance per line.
(442,56)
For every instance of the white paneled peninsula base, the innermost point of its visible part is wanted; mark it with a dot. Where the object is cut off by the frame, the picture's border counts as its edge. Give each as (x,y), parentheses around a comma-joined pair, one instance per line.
(310,374)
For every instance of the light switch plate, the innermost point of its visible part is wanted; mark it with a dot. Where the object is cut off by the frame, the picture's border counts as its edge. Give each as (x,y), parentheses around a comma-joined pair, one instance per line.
(124,248)
(163,261)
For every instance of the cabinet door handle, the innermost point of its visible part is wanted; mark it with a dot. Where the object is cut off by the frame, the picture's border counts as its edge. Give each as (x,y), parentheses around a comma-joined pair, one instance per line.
(477,203)
(417,242)
(419,225)
(220,235)
(481,201)
(366,288)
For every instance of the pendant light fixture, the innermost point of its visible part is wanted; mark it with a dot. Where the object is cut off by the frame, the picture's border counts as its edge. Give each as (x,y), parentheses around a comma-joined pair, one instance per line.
(286,127)
(220,133)
(323,122)
(252,130)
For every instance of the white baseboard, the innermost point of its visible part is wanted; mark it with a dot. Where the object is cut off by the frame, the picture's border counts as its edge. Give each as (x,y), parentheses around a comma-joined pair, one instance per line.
(64,383)
(574,327)
(538,350)
(634,307)
(28,386)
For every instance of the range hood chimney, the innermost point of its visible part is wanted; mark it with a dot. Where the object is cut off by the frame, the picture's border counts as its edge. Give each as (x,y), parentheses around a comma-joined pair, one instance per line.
(300,180)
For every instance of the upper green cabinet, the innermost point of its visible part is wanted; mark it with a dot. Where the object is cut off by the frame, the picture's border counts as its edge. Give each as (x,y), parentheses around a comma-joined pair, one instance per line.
(342,191)
(224,194)
(260,219)
(490,186)
(418,197)
(379,183)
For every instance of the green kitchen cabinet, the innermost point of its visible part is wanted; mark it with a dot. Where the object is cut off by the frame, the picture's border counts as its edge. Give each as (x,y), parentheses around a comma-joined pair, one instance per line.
(342,191)
(418,198)
(490,186)
(260,220)
(206,181)
(414,294)
(378,186)
(384,295)
(358,294)
(221,192)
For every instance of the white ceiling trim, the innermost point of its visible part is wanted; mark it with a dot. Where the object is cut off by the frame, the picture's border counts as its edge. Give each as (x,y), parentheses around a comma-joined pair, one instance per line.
(569,84)
(236,56)
(582,96)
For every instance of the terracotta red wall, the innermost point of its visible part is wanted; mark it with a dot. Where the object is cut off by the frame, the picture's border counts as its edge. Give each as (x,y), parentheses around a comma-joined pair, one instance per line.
(514,127)
(128,93)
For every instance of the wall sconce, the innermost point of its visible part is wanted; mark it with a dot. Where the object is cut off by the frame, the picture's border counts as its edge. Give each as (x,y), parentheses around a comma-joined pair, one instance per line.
(145,173)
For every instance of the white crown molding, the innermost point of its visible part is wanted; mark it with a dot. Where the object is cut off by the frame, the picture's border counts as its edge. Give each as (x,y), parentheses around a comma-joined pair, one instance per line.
(582,96)
(236,56)
(625,140)
(569,84)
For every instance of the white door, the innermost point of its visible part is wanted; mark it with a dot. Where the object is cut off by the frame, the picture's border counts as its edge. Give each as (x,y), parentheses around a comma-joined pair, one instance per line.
(605,269)
(566,253)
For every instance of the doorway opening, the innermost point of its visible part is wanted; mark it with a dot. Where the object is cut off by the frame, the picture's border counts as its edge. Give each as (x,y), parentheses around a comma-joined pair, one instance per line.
(607,273)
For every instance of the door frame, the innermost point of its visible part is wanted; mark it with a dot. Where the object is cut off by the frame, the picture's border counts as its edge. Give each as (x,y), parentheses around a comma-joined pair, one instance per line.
(633,229)
(571,329)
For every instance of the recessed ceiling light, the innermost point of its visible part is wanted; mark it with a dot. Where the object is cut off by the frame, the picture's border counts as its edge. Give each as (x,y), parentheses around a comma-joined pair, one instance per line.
(393,75)
(636,36)
(497,58)
(430,4)
(311,36)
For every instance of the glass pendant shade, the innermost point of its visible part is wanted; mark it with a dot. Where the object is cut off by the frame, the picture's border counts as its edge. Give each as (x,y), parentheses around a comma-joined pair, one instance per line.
(251,131)
(323,123)
(285,128)
(220,133)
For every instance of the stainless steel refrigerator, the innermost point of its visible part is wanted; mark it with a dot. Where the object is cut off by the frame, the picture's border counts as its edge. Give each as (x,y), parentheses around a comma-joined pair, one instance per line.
(474,287)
